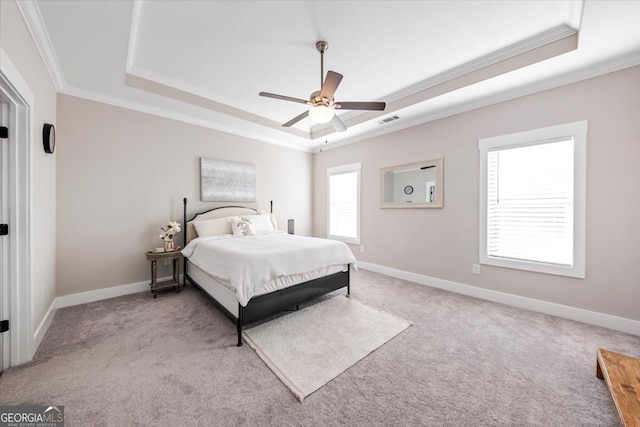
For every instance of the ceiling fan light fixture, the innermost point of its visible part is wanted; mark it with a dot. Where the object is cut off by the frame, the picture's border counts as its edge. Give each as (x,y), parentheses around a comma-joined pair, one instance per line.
(321,114)
(321,101)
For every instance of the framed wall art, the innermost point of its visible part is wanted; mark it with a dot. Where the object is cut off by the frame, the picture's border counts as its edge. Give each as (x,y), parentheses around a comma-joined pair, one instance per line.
(226,181)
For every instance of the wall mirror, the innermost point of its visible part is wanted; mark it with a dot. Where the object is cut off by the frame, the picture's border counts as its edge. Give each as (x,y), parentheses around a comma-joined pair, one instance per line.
(414,185)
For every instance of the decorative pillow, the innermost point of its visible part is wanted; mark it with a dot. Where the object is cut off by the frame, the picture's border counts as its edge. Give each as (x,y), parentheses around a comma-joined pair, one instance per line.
(272,216)
(261,223)
(213,227)
(242,227)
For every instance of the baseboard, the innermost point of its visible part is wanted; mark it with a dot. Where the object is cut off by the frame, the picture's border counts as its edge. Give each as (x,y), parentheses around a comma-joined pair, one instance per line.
(83,298)
(100,294)
(43,327)
(621,324)
(106,293)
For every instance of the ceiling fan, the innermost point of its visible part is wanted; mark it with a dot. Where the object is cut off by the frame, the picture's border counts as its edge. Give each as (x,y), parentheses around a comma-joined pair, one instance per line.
(321,101)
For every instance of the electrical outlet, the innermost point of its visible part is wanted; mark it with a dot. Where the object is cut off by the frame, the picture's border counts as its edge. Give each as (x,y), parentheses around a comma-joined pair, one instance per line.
(361,248)
(475,268)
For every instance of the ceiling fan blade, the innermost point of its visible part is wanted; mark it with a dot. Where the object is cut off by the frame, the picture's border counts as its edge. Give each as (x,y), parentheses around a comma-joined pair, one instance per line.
(330,85)
(337,124)
(284,98)
(375,106)
(296,119)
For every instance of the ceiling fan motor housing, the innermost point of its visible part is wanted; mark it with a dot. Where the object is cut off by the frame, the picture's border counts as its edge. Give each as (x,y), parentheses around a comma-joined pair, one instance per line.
(315,99)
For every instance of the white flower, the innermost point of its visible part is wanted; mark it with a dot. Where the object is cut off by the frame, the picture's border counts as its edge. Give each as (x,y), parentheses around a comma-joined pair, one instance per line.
(171,229)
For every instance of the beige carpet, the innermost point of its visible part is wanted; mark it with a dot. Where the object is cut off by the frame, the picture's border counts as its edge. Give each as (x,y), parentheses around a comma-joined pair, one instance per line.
(308,348)
(173,361)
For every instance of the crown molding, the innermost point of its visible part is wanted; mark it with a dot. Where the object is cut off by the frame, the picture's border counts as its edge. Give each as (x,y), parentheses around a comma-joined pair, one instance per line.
(270,133)
(531,43)
(136,12)
(33,19)
(149,81)
(604,67)
(574,17)
(547,44)
(607,66)
(153,82)
(249,130)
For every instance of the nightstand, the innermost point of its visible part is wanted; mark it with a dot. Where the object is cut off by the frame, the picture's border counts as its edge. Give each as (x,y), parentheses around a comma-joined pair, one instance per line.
(173,256)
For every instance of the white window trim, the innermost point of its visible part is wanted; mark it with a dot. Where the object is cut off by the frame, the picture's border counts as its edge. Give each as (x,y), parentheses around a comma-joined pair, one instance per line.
(576,130)
(353,167)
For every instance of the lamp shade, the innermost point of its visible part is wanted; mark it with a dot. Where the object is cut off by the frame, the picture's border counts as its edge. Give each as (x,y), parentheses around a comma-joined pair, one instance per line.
(321,114)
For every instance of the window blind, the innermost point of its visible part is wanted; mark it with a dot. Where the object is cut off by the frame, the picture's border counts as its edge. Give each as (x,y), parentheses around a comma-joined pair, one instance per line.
(530,202)
(343,204)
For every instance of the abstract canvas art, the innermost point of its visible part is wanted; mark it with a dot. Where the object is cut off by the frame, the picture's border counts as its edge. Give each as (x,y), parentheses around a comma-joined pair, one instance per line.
(225,181)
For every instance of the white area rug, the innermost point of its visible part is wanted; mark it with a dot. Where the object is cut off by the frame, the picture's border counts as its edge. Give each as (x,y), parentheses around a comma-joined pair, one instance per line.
(308,348)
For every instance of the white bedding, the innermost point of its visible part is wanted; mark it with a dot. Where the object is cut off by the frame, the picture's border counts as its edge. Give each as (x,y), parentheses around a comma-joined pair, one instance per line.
(246,264)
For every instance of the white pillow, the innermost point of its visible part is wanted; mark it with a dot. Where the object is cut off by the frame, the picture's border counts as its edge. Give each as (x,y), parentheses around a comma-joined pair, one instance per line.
(242,227)
(213,227)
(261,222)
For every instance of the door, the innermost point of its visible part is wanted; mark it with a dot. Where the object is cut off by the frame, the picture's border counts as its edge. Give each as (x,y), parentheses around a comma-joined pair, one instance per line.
(4,240)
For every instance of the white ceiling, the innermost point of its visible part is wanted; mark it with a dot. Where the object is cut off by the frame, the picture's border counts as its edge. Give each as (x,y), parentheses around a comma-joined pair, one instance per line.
(205,62)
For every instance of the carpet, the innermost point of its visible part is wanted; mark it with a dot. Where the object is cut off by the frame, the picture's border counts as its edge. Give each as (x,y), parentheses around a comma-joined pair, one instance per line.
(310,347)
(173,360)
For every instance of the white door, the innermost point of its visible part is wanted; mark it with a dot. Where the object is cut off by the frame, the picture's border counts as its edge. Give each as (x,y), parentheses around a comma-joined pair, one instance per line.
(4,240)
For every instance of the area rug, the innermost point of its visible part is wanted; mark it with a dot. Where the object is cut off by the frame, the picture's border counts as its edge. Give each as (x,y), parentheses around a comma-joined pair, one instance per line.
(308,348)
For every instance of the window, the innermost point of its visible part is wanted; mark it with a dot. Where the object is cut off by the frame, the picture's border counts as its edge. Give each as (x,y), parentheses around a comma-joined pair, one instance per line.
(344,203)
(532,200)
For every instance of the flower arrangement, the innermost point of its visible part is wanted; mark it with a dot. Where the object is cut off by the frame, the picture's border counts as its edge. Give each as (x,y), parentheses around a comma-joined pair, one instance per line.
(171,229)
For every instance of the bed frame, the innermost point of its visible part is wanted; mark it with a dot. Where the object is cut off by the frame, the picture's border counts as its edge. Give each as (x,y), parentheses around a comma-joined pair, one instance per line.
(265,305)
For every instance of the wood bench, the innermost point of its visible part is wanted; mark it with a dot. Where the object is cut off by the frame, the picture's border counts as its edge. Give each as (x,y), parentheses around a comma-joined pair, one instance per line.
(622,374)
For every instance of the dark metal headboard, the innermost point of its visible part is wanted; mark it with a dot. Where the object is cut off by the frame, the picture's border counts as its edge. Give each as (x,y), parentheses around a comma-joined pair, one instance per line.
(185,221)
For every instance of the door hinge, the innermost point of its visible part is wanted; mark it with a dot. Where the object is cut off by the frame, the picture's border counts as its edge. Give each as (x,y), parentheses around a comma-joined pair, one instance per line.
(4,132)
(4,326)
(4,229)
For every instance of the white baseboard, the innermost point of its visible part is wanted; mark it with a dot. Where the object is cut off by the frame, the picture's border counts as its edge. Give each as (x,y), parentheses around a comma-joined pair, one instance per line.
(100,294)
(106,293)
(621,324)
(83,298)
(43,327)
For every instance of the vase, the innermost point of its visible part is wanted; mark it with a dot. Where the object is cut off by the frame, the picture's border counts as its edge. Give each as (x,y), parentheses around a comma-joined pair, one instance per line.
(168,246)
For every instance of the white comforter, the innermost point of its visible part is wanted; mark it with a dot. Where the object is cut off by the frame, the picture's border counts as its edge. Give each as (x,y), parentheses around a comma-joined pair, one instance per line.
(246,263)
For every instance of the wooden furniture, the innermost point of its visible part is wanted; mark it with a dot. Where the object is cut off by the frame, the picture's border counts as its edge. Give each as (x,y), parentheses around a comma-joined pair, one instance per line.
(262,306)
(173,256)
(622,374)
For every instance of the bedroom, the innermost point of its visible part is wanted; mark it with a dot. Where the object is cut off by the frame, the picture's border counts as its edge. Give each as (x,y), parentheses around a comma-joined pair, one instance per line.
(119,174)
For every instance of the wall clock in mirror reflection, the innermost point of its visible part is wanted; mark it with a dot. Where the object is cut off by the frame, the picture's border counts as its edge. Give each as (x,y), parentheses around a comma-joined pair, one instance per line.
(408,189)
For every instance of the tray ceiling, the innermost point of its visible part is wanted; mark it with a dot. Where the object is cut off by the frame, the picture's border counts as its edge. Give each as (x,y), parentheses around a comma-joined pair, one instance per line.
(205,62)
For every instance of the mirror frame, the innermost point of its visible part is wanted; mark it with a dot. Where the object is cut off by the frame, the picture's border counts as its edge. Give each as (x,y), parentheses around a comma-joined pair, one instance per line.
(439,203)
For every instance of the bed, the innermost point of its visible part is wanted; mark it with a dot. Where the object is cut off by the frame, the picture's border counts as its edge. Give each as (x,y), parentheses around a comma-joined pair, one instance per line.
(250,270)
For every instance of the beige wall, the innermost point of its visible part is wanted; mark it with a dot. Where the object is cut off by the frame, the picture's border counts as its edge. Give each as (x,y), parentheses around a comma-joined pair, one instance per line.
(21,49)
(118,175)
(443,243)
(123,174)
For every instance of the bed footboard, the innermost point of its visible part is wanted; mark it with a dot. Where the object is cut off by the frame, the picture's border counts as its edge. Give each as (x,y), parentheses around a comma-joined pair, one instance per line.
(266,305)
